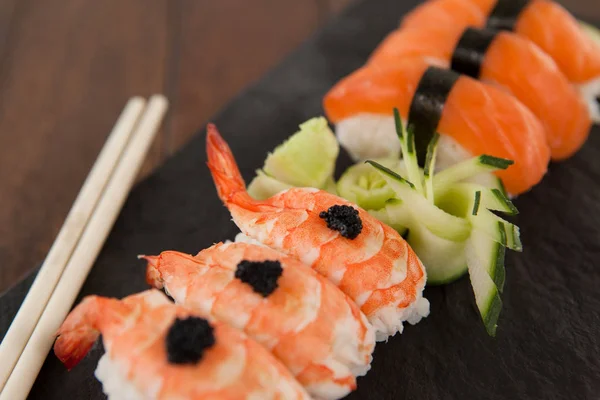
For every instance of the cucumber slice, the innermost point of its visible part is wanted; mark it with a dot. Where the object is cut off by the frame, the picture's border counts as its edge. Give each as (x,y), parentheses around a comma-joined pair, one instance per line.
(444,260)
(330,186)
(591,30)
(491,199)
(468,169)
(363,185)
(499,230)
(307,158)
(409,154)
(264,186)
(395,214)
(490,255)
(429,167)
(488,180)
(439,222)
(487,294)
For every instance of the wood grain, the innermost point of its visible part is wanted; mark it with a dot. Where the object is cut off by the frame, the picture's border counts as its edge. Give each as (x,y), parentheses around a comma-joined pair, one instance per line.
(216,59)
(68,70)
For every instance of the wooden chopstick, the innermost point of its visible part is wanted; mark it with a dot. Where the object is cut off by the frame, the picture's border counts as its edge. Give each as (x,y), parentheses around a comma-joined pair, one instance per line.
(39,344)
(24,322)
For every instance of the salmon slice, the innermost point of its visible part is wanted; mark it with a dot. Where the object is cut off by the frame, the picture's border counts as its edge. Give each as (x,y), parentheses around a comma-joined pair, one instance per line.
(514,63)
(556,31)
(544,22)
(481,118)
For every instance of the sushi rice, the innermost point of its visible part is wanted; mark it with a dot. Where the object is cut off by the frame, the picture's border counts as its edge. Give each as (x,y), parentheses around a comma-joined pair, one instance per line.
(367,136)
(115,385)
(590,92)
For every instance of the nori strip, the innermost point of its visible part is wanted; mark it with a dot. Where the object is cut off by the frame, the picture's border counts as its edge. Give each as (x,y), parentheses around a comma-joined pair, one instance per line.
(427,106)
(505,14)
(469,53)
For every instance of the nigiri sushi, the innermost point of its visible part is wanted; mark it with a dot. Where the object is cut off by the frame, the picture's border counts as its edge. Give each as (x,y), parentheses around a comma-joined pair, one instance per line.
(544,22)
(318,333)
(473,118)
(509,60)
(366,259)
(158,350)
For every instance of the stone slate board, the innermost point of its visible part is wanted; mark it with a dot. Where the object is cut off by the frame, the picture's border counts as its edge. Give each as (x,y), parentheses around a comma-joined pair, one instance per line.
(548,341)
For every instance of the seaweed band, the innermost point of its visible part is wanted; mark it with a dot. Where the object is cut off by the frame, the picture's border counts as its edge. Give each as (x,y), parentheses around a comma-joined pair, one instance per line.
(427,106)
(505,14)
(470,51)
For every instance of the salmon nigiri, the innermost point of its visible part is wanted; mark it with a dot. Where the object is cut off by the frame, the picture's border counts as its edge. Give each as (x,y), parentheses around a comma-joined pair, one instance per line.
(473,118)
(544,22)
(509,60)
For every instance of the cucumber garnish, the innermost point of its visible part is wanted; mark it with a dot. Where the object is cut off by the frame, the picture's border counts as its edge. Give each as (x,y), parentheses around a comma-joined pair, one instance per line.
(439,222)
(450,225)
(429,167)
(407,144)
(476,203)
(591,30)
(306,159)
(363,185)
(468,169)
(487,294)
(264,186)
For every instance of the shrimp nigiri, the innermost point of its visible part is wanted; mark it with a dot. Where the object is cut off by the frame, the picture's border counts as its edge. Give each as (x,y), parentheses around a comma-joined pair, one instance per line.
(544,22)
(505,59)
(473,118)
(305,320)
(366,259)
(158,350)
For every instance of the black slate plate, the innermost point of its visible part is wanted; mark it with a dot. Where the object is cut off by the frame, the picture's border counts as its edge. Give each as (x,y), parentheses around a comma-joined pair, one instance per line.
(548,342)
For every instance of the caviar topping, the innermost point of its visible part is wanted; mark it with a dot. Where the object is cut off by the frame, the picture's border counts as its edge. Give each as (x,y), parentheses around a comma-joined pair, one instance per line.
(262,276)
(187,339)
(344,219)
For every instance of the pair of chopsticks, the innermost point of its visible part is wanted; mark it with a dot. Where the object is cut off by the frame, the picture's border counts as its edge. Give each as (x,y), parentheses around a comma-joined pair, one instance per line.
(58,282)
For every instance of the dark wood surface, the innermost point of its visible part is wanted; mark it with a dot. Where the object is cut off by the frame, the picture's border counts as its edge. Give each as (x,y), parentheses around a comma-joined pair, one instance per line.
(67,68)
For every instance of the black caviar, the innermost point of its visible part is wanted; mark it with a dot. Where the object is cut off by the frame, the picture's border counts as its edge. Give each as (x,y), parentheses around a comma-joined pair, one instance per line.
(261,275)
(344,219)
(187,339)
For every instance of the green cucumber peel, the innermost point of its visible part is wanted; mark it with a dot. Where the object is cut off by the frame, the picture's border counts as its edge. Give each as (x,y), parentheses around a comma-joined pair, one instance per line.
(491,199)
(469,169)
(390,173)
(487,293)
(498,229)
(429,167)
(491,255)
(508,206)
(495,162)
(407,144)
(476,202)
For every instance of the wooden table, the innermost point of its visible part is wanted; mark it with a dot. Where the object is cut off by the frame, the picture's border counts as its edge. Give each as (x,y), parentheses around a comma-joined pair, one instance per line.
(68,66)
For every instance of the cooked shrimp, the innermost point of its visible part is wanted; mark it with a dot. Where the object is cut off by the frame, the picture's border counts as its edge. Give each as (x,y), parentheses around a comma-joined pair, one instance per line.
(305,320)
(158,350)
(365,258)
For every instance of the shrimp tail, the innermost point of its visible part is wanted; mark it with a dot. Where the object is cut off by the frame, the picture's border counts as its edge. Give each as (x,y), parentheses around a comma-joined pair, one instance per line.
(153,275)
(228,179)
(78,333)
